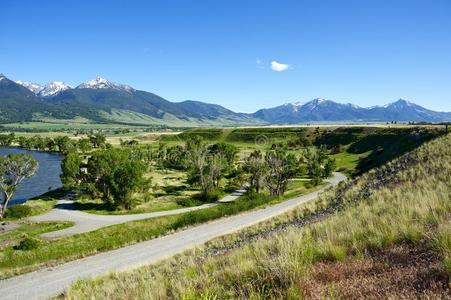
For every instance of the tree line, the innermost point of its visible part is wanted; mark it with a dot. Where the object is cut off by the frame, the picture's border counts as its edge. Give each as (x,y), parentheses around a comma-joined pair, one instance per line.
(61,144)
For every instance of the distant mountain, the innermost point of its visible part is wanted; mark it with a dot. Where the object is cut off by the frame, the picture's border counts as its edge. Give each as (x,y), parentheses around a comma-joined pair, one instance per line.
(32,86)
(18,103)
(321,110)
(53,88)
(47,90)
(102,83)
(100,100)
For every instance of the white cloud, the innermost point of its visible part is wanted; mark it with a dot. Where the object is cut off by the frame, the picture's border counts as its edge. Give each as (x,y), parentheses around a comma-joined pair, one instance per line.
(279,67)
(258,62)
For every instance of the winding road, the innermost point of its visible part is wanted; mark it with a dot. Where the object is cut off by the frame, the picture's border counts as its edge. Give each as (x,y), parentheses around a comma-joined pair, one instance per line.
(65,210)
(50,282)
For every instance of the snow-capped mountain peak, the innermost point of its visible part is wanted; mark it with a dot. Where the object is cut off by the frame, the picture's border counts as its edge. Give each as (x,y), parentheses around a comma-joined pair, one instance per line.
(47,90)
(53,88)
(102,83)
(34,87)
(2,77)
(399,104)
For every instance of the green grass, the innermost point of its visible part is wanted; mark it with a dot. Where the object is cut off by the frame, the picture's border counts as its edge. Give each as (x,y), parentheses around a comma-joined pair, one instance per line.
(412,207)
(347,162)
(27,229)
(53,252)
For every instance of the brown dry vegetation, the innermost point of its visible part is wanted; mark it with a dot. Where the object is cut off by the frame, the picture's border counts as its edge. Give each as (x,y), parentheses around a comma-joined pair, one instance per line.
(399,272)
(386,234)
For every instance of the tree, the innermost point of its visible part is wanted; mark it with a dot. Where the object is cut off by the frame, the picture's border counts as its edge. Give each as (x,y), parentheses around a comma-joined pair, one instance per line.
(13,169)
(319,165)
(329,167)
(281,168)
(114,175)
(129,143)
(64,144)
(7,139)
(228,151)
(171,157)
(50,144)
(38,143)
(84,145)
(71,175)
(205,168)
(255,165)
(98,140)
(126,179)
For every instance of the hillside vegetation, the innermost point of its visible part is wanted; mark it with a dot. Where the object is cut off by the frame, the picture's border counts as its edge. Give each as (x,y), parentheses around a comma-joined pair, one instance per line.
(358,148)
(385,234)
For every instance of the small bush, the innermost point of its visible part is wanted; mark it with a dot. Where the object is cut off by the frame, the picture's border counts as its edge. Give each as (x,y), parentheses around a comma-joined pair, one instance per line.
(28,243)
(209,197)
(189,202)
(18,211)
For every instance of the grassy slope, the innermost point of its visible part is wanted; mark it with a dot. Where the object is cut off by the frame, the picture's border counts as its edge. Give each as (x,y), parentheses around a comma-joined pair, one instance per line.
(403,205)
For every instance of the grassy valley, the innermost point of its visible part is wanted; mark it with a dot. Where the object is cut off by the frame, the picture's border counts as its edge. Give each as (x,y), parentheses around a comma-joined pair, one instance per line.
(383,235)
(378,158)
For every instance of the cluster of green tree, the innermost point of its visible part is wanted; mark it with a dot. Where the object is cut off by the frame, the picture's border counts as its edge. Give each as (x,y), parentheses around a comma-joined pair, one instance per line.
(208,164)
(112,174)
(205,164)
(274,169)
(62,144)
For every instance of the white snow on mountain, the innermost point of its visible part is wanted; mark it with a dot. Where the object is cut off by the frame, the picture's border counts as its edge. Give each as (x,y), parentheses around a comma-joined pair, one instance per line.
(311,105)
(34,87)
(2,77)
(53,88)
(47,90)
(102,83)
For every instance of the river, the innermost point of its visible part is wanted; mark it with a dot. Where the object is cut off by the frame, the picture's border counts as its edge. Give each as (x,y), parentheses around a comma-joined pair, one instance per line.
(46,178)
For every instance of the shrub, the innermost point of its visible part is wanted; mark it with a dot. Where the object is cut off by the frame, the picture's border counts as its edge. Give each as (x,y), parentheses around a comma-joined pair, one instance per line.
(189,202)
(18,211)
(208,197)
(28,243)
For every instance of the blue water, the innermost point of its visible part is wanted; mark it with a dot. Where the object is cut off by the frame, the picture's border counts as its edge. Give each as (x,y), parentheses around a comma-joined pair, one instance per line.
(45,179)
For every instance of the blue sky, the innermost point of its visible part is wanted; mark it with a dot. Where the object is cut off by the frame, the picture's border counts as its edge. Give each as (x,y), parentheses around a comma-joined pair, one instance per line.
(363,52)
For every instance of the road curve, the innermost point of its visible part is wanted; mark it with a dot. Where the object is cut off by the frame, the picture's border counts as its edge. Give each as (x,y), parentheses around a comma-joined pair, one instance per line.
(65,210)
(50,282)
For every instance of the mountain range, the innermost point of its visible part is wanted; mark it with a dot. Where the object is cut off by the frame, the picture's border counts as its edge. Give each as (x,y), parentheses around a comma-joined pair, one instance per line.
(103,101)
(321,110)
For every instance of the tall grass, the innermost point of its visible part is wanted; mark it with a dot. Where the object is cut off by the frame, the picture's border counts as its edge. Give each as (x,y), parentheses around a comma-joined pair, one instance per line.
(407,201)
